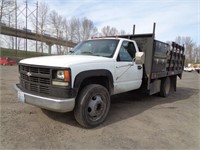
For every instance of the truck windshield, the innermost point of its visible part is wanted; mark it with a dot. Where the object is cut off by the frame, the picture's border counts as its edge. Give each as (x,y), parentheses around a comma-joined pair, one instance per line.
(100,47)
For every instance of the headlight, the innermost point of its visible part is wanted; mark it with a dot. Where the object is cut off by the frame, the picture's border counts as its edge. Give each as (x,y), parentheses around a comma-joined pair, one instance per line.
(61,77)
(60,74)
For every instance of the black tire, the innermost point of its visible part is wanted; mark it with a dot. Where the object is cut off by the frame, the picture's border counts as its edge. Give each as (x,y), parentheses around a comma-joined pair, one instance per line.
(92,106)
(165,87)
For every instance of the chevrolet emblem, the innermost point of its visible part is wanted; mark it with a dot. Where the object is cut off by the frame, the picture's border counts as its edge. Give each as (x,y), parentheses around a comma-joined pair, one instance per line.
(29,74)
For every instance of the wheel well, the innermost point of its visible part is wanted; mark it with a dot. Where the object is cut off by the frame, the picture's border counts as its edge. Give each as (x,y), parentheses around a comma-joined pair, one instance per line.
(101,80)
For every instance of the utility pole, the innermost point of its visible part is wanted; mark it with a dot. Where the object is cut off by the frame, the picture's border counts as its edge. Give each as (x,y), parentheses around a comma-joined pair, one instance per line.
(16,27)
(26,25)
(9,19)
(37,26)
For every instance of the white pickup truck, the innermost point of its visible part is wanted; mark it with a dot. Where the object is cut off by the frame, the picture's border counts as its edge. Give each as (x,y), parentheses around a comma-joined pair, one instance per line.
(95,69)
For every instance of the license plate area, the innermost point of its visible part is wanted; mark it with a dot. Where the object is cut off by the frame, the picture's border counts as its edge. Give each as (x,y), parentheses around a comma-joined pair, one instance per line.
(20,96)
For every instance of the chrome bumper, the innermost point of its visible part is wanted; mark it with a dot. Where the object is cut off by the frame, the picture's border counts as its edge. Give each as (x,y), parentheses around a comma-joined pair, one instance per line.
(58,105)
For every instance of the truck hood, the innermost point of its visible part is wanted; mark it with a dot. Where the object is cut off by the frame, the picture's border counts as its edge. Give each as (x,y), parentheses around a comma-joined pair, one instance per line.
(64,61)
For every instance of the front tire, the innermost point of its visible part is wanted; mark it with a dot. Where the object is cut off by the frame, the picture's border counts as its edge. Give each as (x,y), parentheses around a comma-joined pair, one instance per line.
(92,106)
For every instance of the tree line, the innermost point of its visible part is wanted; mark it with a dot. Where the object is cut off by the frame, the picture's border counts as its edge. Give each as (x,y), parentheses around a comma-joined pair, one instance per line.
(75,29)
(192,50)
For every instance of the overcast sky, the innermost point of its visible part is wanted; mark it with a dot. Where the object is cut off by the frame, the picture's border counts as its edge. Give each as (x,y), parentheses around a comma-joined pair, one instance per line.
(173,17)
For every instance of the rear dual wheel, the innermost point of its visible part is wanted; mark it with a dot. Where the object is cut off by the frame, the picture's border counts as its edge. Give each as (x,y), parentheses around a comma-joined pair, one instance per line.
(92,106)
(165,87)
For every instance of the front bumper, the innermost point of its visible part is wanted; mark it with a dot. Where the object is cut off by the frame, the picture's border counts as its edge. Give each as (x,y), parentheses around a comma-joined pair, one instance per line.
(54,104)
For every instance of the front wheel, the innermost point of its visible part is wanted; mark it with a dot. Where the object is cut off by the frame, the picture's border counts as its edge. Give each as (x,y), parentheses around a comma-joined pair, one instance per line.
(92,106)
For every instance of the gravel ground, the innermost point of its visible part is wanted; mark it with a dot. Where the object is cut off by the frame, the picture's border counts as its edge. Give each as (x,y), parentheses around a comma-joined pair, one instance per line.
(135,121)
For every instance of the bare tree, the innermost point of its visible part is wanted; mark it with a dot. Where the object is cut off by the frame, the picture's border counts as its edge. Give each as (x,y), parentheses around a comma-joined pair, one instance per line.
(7,41)
(196,54)
(74,29)
(108,31)
(66,34)
(6,6)
(65,29)
(42,16)
(189,47)
(57,22)
(42,21)
(81,29)
(122,32)
(179,40)
(19,43)
(88,29)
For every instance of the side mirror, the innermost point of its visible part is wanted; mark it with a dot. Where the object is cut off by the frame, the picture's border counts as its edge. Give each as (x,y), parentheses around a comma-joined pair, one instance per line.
(139,58)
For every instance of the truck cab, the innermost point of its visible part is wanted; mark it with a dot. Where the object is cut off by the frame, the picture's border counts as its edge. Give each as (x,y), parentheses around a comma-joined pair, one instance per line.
(119,59)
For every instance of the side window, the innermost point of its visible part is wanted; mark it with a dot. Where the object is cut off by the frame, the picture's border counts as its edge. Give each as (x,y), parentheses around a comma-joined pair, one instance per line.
(127,51)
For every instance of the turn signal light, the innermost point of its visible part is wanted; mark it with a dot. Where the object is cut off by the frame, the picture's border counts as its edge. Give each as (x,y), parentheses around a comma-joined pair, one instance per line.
(66,75)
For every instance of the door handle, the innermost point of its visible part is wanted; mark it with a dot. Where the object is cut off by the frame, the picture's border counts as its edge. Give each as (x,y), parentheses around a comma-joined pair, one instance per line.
(130,64)
(139,67)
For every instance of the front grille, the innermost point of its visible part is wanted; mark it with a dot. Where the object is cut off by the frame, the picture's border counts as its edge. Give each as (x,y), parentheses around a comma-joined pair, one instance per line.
(35,69)
(35,87)
(35,79)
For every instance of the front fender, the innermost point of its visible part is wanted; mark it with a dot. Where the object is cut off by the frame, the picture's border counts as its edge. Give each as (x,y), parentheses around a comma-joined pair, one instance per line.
(93,73)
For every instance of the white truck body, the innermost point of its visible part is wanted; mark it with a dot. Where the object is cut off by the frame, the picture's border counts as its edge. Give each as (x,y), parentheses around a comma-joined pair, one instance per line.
(95,69)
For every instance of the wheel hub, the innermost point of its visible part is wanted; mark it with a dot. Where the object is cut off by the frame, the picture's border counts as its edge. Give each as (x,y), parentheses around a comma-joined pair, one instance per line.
(95,107)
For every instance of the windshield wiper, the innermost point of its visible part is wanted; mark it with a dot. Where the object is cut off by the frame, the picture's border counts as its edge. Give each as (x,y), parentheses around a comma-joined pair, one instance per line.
(89,53)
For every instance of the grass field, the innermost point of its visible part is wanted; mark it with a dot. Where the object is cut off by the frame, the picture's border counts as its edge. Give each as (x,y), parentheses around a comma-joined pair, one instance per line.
(12,54)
